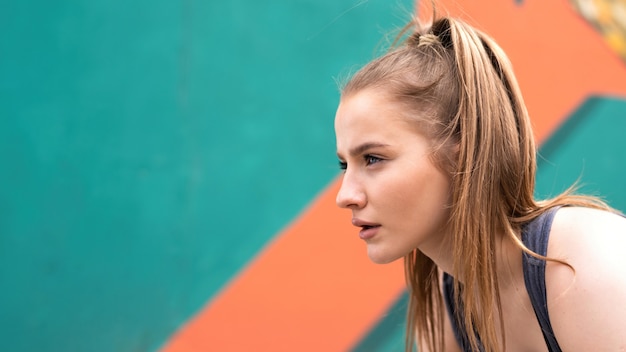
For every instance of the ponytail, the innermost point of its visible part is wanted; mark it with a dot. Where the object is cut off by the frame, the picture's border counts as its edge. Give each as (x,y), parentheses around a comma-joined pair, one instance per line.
(457,86)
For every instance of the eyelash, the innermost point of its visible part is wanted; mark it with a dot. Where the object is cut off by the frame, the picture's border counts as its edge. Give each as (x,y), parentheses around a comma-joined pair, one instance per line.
(369,160)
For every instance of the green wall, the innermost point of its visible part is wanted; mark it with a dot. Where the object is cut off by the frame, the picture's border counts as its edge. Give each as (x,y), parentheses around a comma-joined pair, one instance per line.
(589,150)
(150,149)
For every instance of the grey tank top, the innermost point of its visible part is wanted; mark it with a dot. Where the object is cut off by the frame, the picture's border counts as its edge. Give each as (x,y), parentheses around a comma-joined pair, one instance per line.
(535,236)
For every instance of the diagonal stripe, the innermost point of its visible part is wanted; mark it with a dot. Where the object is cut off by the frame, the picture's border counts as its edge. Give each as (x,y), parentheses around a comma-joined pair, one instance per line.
(313,289)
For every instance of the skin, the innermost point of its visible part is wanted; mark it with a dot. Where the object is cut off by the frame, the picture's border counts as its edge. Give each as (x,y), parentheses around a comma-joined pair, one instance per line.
(588,308)
(390,181)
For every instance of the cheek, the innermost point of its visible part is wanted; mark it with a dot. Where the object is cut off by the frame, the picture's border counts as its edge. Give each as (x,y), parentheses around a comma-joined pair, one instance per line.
(422,195)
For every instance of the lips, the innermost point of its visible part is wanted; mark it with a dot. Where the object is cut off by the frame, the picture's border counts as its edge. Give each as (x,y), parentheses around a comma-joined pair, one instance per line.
(362,223)
(368,229)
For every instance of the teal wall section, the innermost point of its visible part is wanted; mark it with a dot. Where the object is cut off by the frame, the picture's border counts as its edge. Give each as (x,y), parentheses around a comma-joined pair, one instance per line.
(390,332)
(589,150)
(150,149)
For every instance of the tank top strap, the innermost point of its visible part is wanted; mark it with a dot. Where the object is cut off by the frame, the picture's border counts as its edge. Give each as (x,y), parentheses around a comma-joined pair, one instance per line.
(452,307)
(535,235)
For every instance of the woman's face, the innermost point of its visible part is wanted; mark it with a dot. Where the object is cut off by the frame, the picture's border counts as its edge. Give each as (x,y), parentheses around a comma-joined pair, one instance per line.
(398,197)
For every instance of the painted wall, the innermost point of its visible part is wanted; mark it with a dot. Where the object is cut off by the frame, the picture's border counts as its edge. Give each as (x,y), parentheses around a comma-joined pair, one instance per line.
(168,169)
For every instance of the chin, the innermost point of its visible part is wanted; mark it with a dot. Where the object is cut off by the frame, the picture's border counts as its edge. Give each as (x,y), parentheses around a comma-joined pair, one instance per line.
(380,257)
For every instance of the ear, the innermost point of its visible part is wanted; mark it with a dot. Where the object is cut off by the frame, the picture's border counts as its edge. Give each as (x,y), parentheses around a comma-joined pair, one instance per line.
(454,149)
(446,157)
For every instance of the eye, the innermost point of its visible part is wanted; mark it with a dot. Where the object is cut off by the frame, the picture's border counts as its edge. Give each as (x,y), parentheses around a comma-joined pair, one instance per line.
(343,165)
(370,159)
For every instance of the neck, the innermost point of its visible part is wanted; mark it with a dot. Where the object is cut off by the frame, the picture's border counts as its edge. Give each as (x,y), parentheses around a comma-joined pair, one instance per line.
(508,257)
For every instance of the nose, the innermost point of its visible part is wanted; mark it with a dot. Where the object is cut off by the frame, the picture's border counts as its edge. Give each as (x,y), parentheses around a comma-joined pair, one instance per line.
(351,194)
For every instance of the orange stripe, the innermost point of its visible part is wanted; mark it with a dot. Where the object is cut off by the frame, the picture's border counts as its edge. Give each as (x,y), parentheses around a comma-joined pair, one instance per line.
(558,58)
(314,288)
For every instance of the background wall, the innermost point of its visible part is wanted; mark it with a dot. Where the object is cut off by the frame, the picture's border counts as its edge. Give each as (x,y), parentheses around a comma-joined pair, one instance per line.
(168,169)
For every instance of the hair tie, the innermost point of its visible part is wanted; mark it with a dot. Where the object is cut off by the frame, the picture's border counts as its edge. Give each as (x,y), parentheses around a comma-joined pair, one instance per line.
(428,39)
(417,39)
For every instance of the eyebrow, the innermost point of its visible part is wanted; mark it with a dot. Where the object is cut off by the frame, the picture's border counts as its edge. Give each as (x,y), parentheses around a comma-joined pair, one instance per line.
(362,148)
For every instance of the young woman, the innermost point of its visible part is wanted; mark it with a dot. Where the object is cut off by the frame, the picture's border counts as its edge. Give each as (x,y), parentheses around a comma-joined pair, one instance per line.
(439,168)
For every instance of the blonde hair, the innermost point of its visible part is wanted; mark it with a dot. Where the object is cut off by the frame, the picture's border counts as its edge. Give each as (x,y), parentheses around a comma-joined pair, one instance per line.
(458,86)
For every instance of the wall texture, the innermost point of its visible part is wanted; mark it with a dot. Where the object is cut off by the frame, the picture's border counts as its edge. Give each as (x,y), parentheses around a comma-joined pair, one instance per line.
(168,169)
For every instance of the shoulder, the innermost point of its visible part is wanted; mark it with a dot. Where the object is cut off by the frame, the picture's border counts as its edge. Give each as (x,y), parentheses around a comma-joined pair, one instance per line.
(586,304)
(589,236)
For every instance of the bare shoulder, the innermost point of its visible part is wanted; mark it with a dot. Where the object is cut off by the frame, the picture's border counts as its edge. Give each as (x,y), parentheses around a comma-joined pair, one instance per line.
(587,305)
(583,231)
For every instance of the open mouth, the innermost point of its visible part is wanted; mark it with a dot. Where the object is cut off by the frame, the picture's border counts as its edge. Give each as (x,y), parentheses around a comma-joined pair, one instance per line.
(368,231)
(364,225)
